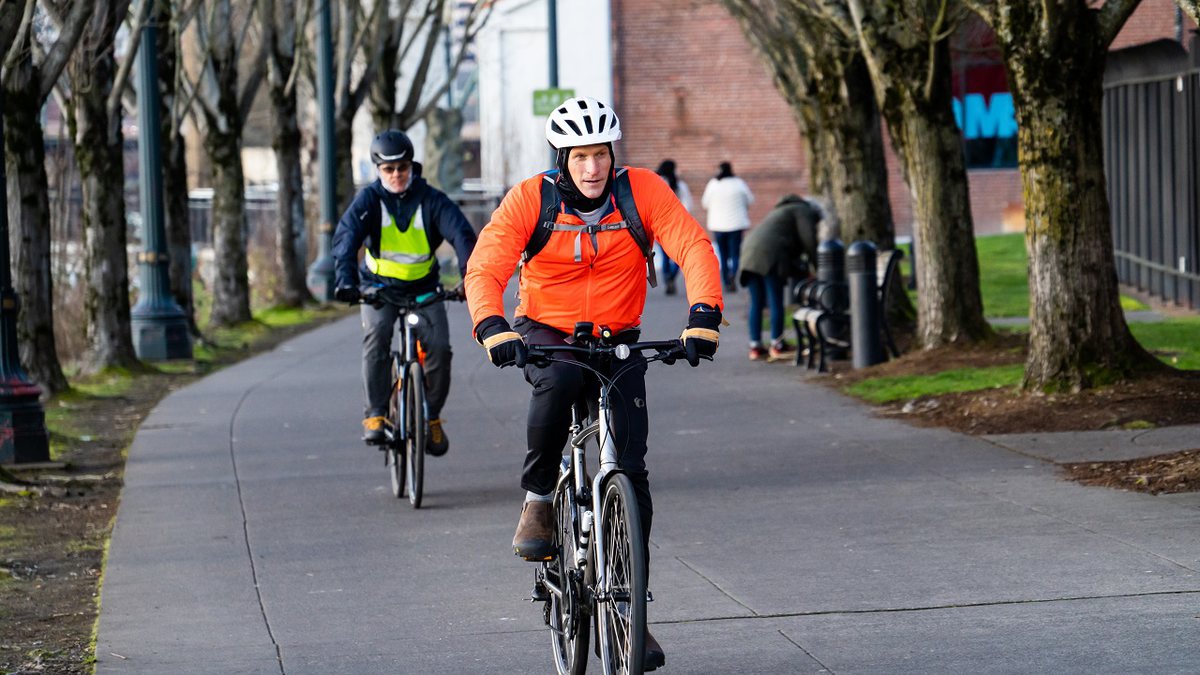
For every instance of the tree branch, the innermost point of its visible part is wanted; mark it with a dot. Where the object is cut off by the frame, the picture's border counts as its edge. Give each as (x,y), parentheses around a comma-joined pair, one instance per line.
(20,37)
(422,70)
(135,39)
(56,58)
(1114,14)
(299,48)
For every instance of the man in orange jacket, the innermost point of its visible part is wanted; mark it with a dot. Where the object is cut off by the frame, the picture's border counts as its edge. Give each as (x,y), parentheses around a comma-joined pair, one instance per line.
(591,268)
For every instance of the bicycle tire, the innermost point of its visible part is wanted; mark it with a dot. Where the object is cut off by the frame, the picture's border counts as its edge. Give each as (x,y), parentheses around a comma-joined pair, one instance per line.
(621,613)
(395,452)
(417,425)
(568,615)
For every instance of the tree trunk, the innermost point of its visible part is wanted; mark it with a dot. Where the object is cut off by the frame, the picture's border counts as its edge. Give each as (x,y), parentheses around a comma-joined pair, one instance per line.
(949,306)
(231,286)
(29,229)
(855,158)
(99,149)
(1078,336)
(383,86)
(443,149)
(343,140)
(912,83)
(291,246)
(176,222)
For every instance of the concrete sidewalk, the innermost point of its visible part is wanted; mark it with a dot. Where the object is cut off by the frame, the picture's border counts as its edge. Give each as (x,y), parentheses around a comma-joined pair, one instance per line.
(794,533)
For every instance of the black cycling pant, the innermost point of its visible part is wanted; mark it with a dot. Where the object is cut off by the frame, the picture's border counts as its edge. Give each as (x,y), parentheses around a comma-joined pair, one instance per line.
(556,388)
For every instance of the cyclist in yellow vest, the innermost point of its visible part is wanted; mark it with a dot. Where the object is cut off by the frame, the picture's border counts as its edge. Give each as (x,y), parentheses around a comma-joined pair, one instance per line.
(401,220)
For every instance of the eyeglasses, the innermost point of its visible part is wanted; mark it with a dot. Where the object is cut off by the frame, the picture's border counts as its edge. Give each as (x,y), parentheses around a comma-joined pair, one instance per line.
(394,168)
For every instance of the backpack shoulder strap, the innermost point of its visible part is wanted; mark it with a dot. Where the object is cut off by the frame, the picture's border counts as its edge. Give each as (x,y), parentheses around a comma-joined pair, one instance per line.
(547,214)
(623,193)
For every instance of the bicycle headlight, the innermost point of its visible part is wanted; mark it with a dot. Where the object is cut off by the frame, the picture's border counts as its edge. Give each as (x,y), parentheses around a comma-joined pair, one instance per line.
(621,352)
(413,319)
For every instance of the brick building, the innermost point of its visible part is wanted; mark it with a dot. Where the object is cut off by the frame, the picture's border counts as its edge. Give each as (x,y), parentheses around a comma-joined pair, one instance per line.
(690,88)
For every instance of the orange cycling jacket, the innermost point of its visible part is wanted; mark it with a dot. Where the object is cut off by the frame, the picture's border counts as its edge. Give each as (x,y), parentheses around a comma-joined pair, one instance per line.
(608,285)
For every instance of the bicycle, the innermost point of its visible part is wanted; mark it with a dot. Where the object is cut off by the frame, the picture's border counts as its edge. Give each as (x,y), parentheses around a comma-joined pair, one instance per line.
(408,414)
(599,565)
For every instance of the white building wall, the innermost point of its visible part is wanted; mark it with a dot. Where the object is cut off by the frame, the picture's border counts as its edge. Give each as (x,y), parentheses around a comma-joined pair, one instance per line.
(513,62)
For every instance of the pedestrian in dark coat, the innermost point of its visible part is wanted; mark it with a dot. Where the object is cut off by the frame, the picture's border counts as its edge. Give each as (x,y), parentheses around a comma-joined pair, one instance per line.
(784,245)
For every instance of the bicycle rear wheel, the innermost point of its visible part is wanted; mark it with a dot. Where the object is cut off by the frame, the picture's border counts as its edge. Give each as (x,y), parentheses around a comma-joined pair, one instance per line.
(621,609)
(416,425)
(567,611)
(395,450)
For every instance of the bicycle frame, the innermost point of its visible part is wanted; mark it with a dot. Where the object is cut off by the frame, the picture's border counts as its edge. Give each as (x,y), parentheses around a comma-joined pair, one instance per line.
(583,509)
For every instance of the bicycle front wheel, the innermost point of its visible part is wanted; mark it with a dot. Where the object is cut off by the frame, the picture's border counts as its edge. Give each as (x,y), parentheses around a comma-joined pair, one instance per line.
(395,451)
(570,622)
(622,602)
(415,426)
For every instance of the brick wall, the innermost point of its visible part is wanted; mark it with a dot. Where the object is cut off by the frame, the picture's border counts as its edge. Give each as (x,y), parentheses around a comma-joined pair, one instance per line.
(689,87)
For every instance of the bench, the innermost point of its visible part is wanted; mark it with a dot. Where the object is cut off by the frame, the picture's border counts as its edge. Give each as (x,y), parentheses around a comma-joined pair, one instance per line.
(822,323)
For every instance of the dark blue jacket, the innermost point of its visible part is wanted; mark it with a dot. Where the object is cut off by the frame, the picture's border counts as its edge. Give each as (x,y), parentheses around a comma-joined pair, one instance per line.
(360,225)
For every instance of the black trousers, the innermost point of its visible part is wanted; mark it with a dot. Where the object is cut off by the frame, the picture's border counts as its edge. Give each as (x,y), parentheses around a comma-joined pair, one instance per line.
(559,386)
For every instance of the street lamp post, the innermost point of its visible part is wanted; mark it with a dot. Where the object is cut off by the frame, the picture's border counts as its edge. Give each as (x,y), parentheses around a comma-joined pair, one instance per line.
(320,273)
(160,327)
(23,437)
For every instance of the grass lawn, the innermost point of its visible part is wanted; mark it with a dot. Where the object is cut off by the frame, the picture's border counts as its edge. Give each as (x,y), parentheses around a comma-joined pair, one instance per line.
(1003,279)
(1005,290)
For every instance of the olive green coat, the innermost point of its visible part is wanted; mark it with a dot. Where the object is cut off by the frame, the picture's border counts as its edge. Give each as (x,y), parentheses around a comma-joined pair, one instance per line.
(785,238)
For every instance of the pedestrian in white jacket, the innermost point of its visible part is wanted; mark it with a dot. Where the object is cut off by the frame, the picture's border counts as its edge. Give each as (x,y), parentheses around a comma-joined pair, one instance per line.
(727,200)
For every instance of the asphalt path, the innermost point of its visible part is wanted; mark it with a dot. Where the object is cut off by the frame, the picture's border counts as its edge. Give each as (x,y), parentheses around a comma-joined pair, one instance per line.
(794,532)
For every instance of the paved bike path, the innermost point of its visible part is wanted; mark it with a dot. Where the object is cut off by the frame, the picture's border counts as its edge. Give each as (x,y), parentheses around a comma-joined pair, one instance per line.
(794,532)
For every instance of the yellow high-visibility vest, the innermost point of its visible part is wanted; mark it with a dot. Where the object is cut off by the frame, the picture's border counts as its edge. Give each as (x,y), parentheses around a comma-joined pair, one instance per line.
(402,255)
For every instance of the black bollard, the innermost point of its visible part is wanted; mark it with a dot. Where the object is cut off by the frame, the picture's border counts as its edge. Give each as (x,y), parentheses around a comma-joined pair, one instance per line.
(865,329)
(831,274)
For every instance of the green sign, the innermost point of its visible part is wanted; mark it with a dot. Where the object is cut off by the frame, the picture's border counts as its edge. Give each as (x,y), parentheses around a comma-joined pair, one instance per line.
(545,100)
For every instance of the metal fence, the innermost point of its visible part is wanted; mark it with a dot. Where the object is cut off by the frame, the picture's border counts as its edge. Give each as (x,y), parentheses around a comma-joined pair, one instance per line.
(1152,161)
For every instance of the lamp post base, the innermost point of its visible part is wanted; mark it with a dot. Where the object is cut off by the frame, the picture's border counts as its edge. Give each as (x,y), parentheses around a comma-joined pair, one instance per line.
(23,437)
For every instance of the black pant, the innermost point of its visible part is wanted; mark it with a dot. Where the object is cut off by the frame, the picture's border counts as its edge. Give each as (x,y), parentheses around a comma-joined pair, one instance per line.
(556,388)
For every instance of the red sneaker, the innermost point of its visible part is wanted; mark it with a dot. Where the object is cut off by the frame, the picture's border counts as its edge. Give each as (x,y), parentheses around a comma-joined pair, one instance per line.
(758,353)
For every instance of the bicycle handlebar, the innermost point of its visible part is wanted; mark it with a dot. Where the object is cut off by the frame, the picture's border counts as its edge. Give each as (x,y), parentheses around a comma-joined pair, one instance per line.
(668,351)
(377,296)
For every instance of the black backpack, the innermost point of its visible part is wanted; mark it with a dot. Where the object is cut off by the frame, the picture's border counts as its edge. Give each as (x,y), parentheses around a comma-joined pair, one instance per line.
(551,204)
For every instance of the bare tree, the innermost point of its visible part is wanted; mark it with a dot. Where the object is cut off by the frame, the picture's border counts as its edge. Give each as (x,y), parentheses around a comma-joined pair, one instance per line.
(224,108)
(412,36)
(29,75)
(821,73)
(94,117)
(906,45)
(1055,54)
(281,32)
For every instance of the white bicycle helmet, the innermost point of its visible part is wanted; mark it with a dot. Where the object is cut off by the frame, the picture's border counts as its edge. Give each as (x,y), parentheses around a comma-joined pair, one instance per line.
(582,121)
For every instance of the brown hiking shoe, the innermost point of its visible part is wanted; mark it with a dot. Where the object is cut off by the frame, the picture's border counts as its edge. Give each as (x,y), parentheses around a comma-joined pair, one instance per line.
(534,539)
(438,443)
(375,430)
(654,657)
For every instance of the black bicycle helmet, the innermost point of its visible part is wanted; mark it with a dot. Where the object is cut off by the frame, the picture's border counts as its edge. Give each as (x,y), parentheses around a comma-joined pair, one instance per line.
(391,146)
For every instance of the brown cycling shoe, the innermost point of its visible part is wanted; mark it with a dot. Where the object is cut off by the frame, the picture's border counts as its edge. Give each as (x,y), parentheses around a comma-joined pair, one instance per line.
(534,539)
(654,657)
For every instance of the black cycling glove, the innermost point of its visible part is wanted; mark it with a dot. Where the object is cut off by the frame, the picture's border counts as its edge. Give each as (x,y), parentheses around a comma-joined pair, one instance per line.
(347,294)
(504,345)
(702,334)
